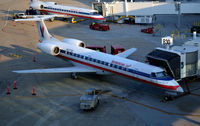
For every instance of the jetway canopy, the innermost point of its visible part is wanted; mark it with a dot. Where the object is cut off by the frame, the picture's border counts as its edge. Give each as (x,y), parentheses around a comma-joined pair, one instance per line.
(167,60)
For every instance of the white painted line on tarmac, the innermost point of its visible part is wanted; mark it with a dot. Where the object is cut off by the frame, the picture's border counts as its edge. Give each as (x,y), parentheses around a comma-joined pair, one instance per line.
(6,21)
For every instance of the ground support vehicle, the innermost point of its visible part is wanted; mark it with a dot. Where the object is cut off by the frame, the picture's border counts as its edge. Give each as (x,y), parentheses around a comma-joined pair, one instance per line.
(97,48)
(19,15)
(100,27)
(90,100)
(148,30)
(115,49)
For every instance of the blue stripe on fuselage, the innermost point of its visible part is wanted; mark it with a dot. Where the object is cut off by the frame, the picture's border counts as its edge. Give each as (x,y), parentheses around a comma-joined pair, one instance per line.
(134,71)
(68,11)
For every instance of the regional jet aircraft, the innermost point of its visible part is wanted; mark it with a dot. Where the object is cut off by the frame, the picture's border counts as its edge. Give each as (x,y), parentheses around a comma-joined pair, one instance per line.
(87,60)
(53,8)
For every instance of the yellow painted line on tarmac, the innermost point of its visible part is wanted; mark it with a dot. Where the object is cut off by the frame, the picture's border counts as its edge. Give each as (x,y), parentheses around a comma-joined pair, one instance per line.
(154,108)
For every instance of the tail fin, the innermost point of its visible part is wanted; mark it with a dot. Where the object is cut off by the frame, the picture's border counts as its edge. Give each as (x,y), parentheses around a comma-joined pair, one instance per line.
(42,29)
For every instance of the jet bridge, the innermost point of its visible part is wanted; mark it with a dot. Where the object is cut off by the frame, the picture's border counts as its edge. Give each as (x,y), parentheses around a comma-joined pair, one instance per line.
(170,61)
(179,62)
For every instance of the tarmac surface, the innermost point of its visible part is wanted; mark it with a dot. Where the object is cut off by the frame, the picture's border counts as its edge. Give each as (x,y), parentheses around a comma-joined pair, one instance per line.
(56,103)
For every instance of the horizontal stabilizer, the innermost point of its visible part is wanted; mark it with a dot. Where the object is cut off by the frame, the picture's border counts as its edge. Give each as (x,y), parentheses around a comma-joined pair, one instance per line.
(127,52)
(58,70)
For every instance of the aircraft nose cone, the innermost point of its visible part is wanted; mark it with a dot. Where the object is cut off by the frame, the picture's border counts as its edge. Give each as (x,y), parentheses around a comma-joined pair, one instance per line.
(180,89)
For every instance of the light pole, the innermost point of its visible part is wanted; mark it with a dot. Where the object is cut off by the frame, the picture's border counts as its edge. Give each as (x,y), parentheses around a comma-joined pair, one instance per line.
(178,8)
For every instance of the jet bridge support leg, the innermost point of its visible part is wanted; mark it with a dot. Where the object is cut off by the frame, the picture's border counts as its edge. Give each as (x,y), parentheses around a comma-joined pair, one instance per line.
(187,87)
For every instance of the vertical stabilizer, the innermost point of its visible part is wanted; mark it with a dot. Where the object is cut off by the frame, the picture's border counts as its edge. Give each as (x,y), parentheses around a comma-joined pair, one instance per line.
(42,30)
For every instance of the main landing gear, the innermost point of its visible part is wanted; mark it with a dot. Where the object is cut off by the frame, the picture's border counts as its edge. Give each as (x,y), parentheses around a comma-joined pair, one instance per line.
(74,76)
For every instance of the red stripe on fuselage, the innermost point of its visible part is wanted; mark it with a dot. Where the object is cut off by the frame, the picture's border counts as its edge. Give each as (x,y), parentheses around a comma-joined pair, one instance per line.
(72,14)
(101,68)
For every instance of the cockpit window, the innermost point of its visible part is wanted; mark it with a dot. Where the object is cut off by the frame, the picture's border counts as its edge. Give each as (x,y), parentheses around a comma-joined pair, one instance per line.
(159,74)
(94,13)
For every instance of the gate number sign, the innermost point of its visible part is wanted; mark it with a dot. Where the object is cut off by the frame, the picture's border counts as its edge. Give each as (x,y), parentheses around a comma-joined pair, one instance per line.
(167,40)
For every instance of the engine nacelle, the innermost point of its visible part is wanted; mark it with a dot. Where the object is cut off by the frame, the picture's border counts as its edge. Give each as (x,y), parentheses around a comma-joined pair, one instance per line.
(74,42)
(50,49)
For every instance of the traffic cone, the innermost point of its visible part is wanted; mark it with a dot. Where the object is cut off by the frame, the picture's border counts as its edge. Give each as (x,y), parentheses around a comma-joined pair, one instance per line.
(33,24)
(15,86)
(34,59)
(34,91)
(8,91)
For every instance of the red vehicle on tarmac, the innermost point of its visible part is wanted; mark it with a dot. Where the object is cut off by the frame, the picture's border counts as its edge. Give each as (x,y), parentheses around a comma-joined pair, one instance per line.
(99,27)
(115,49)
(97,48)
(148,30)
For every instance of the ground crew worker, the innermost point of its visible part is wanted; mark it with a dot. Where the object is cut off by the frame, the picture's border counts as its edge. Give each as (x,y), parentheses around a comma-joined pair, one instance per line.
(93,23)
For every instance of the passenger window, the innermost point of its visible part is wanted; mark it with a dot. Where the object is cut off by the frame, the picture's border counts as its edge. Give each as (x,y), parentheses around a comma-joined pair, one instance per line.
(115,66)
(106,63)
(62,51)
(82,57)
(123,68)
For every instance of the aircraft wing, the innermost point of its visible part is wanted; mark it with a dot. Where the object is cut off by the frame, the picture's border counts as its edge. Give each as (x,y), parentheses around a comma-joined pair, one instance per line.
(127,52)
(58,70)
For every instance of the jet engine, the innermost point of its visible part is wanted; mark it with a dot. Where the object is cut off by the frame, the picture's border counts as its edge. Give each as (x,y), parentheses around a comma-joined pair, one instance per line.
(50,49)
(74,42)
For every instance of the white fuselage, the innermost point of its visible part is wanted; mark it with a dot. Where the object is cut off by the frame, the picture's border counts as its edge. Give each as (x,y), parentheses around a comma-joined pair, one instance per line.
(53,8)
(115,64)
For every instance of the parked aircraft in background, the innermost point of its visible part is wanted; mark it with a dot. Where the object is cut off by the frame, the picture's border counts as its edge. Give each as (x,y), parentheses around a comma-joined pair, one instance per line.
(53,8)
(87,60)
